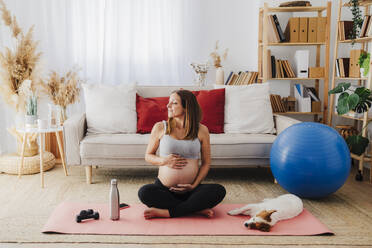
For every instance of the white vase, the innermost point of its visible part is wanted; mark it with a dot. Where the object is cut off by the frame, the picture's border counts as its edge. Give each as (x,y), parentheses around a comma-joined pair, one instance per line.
(30,120)
(220,73)
(361,72)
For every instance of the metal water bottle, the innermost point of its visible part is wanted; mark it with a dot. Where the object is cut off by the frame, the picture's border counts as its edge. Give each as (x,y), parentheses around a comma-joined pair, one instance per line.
(114,201)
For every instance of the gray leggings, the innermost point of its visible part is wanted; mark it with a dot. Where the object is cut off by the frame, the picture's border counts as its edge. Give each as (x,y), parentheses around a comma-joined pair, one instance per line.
(202,197)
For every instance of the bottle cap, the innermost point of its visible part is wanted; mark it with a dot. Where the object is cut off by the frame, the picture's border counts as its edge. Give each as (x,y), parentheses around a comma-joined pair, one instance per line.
(114,181)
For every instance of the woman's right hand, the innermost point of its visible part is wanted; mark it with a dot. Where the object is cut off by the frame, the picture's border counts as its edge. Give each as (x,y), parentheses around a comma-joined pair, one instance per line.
(174,161)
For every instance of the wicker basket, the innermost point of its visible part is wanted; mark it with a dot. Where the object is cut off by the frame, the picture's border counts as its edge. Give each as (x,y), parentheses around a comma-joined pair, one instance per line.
(9,163)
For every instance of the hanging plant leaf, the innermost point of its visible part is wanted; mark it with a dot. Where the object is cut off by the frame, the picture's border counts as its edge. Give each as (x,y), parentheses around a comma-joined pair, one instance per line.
(357,144)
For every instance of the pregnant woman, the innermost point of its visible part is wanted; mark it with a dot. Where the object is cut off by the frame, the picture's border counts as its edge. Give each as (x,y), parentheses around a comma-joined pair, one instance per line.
(178,190)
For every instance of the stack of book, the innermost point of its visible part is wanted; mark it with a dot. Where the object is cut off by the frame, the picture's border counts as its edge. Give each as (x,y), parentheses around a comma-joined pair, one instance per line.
(242,78)
(345,28)
(349,67)
(342,67)
(280,68)
(277,104)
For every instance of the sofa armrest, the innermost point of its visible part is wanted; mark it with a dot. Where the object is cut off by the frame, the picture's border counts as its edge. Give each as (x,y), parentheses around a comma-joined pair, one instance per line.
(74,129)
(282,122)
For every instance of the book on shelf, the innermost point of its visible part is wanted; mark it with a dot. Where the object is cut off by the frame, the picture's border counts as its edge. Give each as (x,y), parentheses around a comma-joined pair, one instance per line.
(366,24)
(273,35)
(278,28)
(277,104)
(228,78)
(343,65)
(345,30)
(312,93)
(280,68)
(242,78)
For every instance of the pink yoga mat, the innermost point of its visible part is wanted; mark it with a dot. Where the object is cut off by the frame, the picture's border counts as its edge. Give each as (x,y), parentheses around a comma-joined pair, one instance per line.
(132,222)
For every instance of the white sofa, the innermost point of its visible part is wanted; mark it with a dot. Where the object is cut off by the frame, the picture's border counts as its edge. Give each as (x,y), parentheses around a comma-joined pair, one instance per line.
(128,149)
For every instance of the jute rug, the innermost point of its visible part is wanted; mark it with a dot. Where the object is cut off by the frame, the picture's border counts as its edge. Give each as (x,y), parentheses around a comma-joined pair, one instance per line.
(25,207)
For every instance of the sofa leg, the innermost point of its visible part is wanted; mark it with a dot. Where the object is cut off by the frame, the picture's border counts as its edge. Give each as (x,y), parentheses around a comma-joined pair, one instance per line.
(88,174)
(276,182)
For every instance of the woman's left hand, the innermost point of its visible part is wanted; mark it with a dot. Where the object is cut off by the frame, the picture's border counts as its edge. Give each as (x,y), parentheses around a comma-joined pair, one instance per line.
(182,188)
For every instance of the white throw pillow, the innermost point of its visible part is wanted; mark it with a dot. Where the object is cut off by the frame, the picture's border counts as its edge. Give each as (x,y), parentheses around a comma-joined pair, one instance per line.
(110,109)
(248,109)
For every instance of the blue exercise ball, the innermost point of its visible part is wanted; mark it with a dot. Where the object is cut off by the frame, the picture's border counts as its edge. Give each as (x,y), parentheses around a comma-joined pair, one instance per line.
(310,160)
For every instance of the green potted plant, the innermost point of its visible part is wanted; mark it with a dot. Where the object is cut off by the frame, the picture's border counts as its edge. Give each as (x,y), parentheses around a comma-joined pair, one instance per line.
(364,59)
(358,100)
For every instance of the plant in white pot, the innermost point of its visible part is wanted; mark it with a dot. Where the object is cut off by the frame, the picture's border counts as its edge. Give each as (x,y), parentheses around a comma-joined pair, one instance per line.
(217,63)
(364,59)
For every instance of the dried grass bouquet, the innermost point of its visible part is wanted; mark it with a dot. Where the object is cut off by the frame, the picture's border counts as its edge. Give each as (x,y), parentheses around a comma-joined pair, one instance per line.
(64,90)
(216,56)
(19,63)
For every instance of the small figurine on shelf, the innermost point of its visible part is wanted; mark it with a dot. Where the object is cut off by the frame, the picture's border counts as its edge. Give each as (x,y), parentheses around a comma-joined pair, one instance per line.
(201,71)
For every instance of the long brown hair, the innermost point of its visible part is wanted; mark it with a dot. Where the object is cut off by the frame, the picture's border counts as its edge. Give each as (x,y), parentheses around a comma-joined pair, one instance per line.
(193,114)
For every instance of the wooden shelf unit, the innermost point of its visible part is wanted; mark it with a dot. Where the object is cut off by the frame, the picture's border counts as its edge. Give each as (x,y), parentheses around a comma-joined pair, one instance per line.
(350,78)
(302,79)
(263,45)
(294,44)
(365,41)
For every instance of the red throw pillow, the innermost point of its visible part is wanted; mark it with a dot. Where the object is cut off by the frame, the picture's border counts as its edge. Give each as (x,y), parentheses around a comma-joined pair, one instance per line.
(212,103)
(149,111)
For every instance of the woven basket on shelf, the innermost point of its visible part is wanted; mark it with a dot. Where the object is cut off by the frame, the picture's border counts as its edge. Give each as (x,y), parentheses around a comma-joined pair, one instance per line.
(9,163)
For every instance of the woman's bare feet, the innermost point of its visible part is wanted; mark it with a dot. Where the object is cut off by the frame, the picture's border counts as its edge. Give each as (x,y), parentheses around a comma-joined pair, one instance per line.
(206,212)
(156,213)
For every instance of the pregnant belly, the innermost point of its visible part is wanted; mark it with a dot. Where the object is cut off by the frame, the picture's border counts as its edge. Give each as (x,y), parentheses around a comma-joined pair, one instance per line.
(170,177)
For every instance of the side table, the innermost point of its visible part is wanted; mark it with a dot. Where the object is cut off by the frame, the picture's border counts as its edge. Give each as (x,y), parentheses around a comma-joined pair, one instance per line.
(41,133)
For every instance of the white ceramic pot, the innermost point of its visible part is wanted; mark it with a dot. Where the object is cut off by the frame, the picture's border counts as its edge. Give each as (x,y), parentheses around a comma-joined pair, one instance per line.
(30,120)
(220,73)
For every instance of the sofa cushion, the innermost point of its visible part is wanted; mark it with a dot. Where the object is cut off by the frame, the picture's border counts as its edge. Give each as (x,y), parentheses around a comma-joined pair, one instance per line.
(149,111)
(248,109)
(110,109)
(111,146)
(212,103)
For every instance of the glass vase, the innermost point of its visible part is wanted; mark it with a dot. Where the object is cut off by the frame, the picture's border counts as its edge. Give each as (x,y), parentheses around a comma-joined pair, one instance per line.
(54,115)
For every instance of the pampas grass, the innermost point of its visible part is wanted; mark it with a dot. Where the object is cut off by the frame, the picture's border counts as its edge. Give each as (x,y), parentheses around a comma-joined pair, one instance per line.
(216,56)
(64,90)
(18,64)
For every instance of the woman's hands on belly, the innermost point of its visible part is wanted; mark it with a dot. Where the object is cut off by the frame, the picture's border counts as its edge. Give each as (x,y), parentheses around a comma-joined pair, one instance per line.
(182,174)
(175,161)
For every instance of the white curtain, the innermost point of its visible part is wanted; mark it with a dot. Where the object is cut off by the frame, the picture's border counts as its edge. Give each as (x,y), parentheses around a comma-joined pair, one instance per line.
(111,41)
(124,41)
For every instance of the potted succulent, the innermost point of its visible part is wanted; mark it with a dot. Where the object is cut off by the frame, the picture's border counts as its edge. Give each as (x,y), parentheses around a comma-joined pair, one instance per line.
(364,59)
